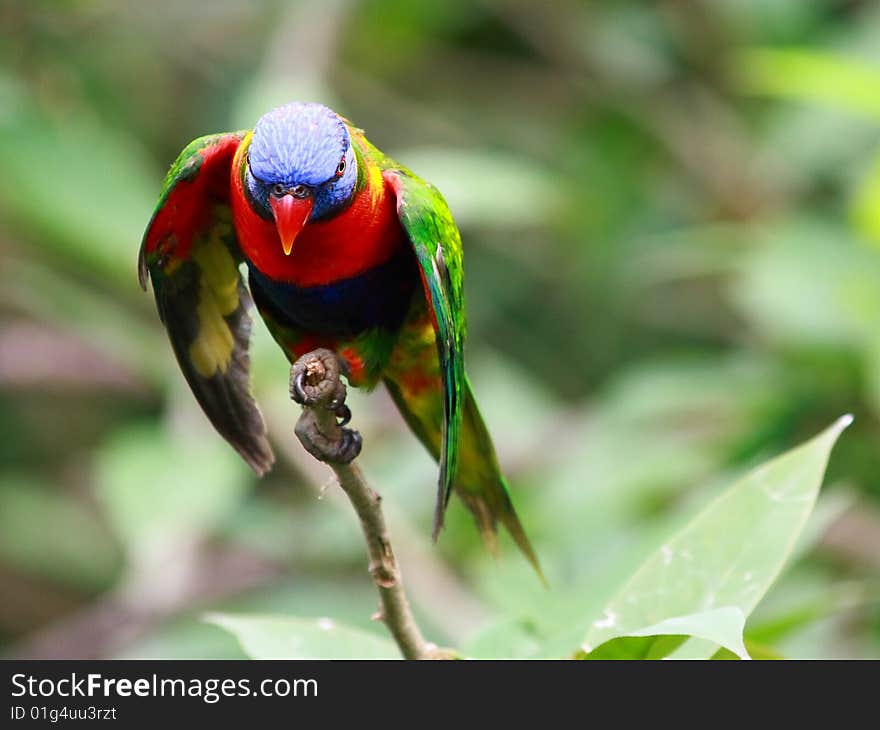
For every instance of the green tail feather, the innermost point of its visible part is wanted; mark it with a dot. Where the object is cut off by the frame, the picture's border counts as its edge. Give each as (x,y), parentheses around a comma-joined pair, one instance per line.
(478,481)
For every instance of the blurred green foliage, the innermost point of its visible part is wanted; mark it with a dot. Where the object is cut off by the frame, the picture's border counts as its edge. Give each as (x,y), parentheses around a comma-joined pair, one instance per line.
(671,216)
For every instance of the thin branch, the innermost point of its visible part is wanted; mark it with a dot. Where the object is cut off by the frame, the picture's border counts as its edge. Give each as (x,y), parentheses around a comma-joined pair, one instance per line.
(316,385)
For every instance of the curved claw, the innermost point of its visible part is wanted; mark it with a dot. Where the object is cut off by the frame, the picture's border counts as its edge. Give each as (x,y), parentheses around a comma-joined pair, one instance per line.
(350,447)
(299,395)
(343,412)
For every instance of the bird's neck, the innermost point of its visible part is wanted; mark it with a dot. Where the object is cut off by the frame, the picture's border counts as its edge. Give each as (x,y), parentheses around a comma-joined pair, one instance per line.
(364,234)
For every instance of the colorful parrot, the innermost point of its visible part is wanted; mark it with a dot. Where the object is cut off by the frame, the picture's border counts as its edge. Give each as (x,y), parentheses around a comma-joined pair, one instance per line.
(344,249)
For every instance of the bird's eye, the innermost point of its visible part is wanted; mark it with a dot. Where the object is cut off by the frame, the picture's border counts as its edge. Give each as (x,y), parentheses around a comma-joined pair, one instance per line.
(341,167)
(300,191)
(278,189)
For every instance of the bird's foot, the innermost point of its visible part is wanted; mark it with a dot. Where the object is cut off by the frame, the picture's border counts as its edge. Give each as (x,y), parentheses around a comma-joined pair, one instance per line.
(314,380)
(340,447)
(315,384)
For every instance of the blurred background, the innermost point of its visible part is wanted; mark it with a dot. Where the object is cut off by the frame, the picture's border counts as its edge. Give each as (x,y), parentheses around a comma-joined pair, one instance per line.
(671,217)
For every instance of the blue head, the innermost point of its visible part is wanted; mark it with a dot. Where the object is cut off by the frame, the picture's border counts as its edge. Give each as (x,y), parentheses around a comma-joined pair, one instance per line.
(301,167)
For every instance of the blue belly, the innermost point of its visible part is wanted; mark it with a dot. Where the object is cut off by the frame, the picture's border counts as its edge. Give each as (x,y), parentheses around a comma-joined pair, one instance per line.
(379,297)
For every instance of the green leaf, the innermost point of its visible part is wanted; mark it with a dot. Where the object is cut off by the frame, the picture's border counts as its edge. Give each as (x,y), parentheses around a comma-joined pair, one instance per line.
(283,637)
(626,648)
(865,206)
(725,558)
(756,651)
(838,81)
(723,626)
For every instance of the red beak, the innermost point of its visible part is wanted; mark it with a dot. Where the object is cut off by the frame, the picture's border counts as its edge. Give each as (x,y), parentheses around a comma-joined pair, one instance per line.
(291,215)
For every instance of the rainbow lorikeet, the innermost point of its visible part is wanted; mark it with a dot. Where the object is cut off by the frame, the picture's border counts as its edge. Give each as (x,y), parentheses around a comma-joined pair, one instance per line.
(345,249)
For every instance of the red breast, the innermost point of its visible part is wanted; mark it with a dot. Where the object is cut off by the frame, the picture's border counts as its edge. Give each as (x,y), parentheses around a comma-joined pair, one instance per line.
(364,235)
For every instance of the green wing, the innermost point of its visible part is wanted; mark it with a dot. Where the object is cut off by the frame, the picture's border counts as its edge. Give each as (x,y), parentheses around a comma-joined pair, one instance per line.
(436,242)
(190,253)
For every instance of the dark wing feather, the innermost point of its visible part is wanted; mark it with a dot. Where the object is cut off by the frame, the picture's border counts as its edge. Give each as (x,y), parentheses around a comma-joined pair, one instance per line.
(435,239)
(191,255)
